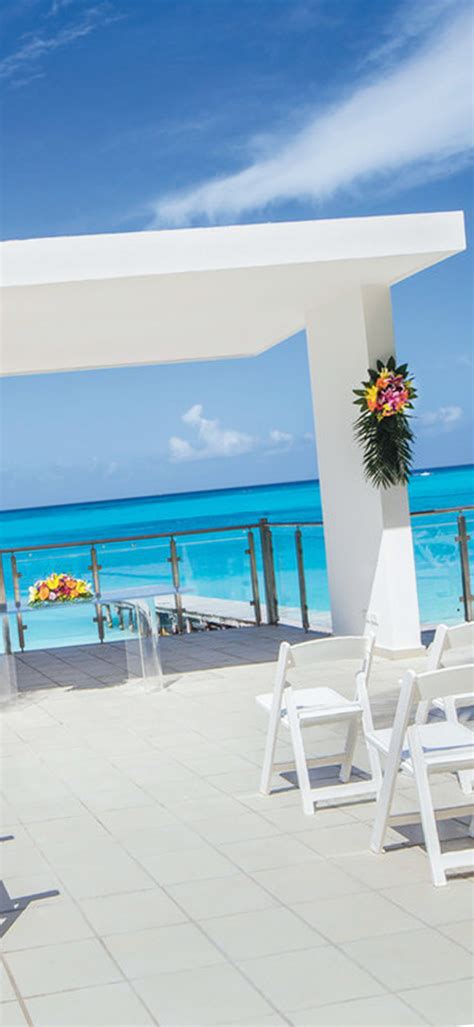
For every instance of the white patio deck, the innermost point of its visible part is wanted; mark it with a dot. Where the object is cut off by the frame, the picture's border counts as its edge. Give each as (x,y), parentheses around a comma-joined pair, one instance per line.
(183,897)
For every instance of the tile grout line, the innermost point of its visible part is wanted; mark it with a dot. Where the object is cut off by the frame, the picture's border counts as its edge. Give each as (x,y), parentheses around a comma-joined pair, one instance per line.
(191,919)
(17,991)
(129,980)
(97,937)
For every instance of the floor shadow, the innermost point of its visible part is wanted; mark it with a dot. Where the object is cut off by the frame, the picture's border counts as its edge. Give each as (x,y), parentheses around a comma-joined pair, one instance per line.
(12,908)
(321,776)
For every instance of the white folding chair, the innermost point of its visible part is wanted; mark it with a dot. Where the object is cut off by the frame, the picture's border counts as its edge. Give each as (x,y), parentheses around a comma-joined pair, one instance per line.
(421,750)
(451,646)
(295,709)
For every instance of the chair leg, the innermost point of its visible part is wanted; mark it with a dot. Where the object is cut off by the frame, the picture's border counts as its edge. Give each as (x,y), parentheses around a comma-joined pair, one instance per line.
(392,766)
(384,803)
(422,712)
(375,767)
(465,777)
(269,754)
(351,739)
(450,709)
(300,758)
(428,819)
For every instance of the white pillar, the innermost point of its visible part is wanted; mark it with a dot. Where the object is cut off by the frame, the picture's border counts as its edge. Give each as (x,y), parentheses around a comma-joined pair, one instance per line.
(367,530)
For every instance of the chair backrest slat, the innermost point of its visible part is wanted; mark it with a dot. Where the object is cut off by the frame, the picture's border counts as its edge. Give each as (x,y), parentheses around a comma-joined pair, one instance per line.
(352,647)
(437,684)
(449,639)
(461,635)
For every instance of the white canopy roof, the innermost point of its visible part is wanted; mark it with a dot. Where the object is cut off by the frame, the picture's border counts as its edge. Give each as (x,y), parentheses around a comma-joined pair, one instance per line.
(150,297)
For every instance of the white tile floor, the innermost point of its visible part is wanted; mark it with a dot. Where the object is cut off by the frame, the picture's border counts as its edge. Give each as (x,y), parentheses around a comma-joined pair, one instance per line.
(172,892)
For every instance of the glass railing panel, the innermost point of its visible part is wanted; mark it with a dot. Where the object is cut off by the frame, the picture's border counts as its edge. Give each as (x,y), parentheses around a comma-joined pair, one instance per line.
(214,571)
(301,575)
(438,569)
(130,567)
(316,577)
(38,565)
(51,627)
(130,570)
(470,552)
(286,574)
(53,623)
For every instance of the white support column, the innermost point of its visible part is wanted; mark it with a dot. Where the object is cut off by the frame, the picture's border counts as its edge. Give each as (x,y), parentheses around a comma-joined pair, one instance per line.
(368,537)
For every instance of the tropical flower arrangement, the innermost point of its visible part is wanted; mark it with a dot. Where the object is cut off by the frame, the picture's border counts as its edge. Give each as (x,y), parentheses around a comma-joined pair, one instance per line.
(383,426)
(58,588)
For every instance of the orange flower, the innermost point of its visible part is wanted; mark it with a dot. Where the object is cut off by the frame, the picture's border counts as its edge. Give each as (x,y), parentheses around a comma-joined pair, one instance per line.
(44,592)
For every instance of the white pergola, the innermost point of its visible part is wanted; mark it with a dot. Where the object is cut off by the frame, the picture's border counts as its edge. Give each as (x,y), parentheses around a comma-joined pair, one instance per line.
(202,294)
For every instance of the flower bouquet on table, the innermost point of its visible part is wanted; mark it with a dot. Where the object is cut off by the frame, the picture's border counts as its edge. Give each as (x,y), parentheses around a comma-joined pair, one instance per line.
(383,426)
(58,588)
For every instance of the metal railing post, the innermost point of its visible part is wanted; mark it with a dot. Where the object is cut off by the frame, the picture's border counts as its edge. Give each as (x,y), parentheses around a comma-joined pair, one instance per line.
(7,642)
(462,538)
(95,567)
(255,601)
(271,599)
(174,559)
(17,593)
(301,579)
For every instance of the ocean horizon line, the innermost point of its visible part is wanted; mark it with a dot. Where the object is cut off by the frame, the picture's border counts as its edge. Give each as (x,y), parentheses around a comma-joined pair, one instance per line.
(203,492)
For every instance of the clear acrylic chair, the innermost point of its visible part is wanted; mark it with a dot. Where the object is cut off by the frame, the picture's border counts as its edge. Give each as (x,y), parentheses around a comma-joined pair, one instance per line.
(422,750)
(297,708)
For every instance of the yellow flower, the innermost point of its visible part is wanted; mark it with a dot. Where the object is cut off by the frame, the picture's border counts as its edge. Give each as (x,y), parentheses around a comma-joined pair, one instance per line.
(53,581)
(371,397)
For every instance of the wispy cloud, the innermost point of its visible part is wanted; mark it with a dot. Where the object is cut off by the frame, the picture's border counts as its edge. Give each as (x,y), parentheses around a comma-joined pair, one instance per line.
(281,441)
(443,419)
(463,360)
(211,439)
(416,115)
(60,5)
(25,63)
(409,22)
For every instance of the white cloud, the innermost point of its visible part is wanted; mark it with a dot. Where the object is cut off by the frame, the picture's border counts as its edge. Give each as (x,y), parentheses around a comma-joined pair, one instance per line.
(282,440)
(441,420)
(417,115)
(180,449)
(212,439)
(280,436)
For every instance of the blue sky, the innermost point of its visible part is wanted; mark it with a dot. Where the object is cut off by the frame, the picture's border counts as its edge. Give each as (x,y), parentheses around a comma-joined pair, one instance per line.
(137,114)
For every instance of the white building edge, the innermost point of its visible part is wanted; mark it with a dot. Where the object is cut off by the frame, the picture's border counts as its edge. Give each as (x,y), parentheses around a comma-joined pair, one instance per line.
(206,293)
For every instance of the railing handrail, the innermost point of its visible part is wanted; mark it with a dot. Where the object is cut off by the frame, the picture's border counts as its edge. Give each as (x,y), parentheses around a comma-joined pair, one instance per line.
(79,543)
(127,538)
(441,510)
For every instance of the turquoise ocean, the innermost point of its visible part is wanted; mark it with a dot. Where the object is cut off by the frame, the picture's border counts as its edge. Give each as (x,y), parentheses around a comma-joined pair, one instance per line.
(216,564)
